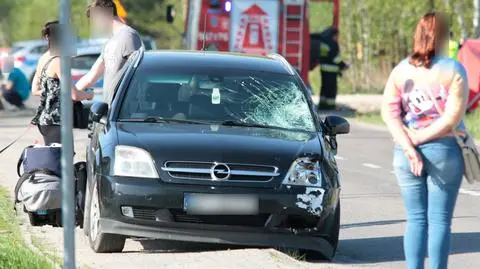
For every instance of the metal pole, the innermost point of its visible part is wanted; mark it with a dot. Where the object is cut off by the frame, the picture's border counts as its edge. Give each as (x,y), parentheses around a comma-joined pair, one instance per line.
(68,194)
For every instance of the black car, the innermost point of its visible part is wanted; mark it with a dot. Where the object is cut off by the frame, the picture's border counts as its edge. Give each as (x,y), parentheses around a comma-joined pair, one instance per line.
(212,147)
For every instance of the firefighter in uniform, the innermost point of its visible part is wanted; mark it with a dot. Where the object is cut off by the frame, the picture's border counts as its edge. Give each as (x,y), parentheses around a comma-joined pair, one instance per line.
(331,66)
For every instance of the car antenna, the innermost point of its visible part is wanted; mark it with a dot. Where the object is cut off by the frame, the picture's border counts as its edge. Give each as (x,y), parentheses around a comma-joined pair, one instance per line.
(204,31)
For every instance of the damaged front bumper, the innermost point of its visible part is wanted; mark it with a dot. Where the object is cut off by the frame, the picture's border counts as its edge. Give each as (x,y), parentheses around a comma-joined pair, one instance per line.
(295,217)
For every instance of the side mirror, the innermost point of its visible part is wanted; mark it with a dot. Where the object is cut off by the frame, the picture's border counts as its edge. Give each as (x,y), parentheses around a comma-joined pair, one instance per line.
(170,13)
(336,125)
(98,111)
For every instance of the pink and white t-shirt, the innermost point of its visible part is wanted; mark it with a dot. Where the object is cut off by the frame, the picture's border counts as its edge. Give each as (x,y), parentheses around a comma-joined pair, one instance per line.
(419,95)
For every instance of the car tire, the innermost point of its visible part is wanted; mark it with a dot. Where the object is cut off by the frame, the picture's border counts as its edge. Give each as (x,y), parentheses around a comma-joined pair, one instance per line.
(334,232)
(86,216)
(99,241)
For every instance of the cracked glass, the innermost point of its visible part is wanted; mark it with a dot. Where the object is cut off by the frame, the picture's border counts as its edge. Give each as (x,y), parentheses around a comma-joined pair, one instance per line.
(236,98)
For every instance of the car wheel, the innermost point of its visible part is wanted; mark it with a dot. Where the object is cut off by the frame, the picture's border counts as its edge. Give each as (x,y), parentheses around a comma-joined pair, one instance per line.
(101,242)
(86,214)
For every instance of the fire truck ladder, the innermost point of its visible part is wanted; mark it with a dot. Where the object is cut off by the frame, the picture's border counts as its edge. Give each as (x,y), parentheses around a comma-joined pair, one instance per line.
(293,20)
(240,35)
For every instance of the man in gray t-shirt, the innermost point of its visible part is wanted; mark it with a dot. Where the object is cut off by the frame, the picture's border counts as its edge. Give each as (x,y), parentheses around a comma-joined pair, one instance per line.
(123,42)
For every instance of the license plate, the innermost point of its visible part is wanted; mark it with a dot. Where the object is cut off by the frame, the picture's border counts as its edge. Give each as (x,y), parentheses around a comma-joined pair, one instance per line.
(220,204)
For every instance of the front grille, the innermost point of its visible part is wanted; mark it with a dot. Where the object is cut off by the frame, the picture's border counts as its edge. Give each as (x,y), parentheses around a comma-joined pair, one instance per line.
(229,220)
(178,215)
(145,213)
(227,171)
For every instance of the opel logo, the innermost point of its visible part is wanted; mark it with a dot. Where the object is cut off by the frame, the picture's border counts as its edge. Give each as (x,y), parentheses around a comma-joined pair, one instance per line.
(220,171)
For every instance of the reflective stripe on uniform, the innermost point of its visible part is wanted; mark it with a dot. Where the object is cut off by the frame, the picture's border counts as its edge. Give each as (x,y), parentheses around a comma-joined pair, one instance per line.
(324,50)
(337,59)
(330,68)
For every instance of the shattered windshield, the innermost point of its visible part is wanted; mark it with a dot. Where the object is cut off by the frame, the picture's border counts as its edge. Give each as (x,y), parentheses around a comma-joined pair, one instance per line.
(258,100)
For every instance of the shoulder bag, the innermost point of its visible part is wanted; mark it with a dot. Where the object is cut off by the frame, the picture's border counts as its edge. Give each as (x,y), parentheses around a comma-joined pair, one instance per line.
(468,147)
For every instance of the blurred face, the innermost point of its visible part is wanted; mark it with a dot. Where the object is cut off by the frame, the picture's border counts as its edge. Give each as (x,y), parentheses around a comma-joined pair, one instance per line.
(101,21)
(442,43)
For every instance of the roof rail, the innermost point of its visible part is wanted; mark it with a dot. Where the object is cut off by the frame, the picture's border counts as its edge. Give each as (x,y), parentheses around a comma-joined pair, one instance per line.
(283,60)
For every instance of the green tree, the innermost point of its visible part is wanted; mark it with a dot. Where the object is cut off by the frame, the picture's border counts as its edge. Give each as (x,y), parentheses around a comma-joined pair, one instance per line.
(149,18)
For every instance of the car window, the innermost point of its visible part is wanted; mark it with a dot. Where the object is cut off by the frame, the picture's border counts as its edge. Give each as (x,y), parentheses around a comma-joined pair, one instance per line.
(118,78)
(274,100)
(84,62)
(147,44)
(39,49)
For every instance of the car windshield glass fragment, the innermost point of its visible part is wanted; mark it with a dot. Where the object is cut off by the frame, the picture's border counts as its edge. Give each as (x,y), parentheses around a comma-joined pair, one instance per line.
(263,99)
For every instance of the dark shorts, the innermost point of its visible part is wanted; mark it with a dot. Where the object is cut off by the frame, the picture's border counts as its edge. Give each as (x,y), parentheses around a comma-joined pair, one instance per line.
(13,98)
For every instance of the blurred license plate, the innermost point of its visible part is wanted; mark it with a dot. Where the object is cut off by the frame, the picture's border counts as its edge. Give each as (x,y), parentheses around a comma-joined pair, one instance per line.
(220,204)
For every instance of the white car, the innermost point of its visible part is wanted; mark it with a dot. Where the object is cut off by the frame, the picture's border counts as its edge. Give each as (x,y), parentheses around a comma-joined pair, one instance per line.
(26,55)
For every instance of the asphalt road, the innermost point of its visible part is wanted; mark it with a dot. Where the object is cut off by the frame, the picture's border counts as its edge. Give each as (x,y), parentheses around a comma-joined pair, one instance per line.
(372,217)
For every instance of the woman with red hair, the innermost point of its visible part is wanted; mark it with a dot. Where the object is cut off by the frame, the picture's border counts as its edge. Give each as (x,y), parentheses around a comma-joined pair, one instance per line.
(424,101)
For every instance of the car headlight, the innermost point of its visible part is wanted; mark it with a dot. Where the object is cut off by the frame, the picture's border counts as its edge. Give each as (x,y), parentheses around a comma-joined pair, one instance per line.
(133,162)
(304,172)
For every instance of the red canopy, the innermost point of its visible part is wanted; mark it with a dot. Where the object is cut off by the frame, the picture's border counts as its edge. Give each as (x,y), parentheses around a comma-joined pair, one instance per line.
(469,56)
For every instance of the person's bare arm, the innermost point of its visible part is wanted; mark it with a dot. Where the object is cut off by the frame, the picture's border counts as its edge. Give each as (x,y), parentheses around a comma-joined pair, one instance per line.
(92,76)
(76,94)
(391,110)
(454,111)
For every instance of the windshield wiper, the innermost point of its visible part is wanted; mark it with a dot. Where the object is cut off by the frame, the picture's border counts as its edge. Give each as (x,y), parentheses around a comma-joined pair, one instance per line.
(258,125)
(245,124)
(164,120)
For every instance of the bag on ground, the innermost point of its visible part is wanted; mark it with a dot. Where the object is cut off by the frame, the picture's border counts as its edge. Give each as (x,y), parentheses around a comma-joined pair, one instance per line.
(39,185)
(40,191)
(40,157)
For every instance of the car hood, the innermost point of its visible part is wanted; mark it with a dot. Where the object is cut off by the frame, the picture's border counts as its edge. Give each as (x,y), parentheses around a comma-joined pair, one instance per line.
(213,143)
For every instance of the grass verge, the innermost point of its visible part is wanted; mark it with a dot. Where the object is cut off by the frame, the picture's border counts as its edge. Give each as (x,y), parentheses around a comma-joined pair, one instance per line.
(472,121)
(14,253)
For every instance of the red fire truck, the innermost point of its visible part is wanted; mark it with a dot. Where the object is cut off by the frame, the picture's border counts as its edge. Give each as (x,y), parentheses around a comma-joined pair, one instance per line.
(253,26)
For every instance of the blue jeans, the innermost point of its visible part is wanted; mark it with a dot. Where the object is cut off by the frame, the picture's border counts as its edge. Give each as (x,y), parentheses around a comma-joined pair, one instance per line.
(429,201)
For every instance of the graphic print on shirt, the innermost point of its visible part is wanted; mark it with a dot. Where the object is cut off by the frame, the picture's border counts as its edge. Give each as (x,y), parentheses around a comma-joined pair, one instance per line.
(420,110)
